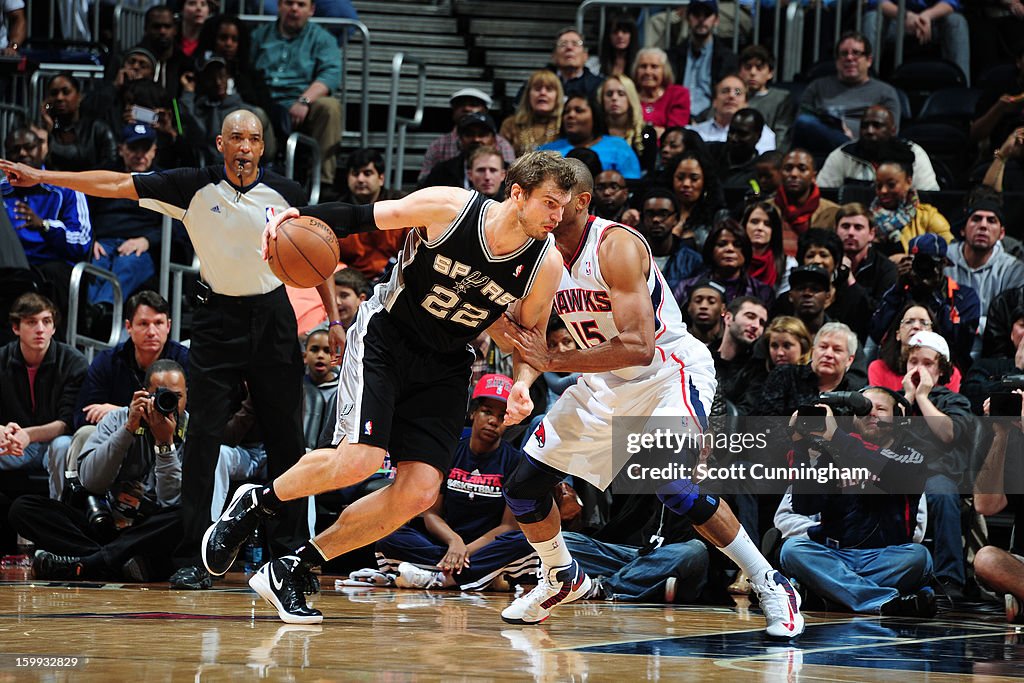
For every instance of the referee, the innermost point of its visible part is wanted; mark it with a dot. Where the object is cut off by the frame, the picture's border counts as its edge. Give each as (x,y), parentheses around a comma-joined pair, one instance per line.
(243,327)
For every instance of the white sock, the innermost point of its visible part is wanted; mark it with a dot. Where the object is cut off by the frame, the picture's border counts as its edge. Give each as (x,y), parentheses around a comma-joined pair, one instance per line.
(747,557)
(553,552)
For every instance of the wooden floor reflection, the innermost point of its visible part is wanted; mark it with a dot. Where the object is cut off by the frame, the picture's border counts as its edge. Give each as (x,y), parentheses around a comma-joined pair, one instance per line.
(148,633)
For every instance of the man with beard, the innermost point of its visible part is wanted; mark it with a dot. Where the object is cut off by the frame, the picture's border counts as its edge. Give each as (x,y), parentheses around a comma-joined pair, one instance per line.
(701,61)
(736,158)
(159,36)
(798,199)
(979,260)
(730,99)
(745,320)
(368,252)
(475,130)
(856,161)
(658,216)
(860,551)
(704,312)
(611,196)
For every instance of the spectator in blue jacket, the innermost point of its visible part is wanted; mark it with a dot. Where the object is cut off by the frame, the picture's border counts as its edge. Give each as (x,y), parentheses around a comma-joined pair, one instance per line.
(117,373)
(52,222)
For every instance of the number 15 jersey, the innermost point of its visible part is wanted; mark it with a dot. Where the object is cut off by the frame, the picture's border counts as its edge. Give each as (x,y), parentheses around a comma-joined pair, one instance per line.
(583,302)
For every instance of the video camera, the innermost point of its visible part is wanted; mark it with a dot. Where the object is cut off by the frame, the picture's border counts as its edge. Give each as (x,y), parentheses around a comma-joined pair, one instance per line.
(842,403)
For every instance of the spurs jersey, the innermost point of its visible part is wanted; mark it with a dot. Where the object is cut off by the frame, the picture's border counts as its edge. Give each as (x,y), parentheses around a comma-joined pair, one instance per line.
(583,302)
(447,291)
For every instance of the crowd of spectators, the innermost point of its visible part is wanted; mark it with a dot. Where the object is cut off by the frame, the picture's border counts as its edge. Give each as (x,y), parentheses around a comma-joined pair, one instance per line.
(801,236)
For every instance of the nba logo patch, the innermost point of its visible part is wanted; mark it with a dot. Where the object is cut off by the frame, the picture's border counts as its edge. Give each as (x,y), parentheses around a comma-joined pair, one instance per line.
(368,428)
(270,213)
(587,269)
(539,435)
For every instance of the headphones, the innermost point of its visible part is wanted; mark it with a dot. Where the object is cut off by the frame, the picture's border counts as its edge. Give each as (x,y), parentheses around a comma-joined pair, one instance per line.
(901,402)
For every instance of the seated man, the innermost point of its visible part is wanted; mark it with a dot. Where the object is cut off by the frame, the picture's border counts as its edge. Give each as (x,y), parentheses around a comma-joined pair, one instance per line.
(730,99)
(465,101)
(468,537)
(996,568)
(302,67)
(52,222)
(475,130)
(799,199)
(659,214)
(736,158)
(368,252)
(987,373)
(611,196)
(832,107)
(130,470)
(859,550)
(926,21)
(115,374)
(705,310)
(757,69)
(127,236)
(486,170)
(867,266)
(857,161)
(39,383)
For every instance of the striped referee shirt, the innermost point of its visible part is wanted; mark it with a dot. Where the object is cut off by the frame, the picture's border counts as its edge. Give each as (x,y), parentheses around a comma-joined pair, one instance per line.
(224,221)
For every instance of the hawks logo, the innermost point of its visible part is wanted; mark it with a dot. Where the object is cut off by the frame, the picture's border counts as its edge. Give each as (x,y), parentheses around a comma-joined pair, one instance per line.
(539,435)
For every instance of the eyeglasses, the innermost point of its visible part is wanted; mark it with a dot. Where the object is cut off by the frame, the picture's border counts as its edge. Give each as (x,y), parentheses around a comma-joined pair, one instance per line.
(852,53)
(608,187)
(919,322)
(731,91)
(569,43)
(659,213)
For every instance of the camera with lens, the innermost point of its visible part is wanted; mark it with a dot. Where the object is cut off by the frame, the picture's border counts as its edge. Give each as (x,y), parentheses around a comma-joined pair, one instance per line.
(1012,382)
(1004,405)
(96,508)
(165,400)
(846,402)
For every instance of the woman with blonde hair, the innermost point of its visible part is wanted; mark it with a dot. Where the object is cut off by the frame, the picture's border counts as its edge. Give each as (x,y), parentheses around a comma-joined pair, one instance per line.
(624,117)
(664,103)
(538,118)
(788,342)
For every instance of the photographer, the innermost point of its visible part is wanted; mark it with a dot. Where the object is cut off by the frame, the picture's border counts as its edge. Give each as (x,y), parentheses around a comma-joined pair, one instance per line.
(860,551)
(988,372)
(128,524)
(957,308)
(1000,570)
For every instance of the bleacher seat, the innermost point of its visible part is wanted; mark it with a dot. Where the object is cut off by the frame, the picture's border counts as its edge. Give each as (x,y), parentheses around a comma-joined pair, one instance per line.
(863,193)
(943,142)
(949,105)
(919,79)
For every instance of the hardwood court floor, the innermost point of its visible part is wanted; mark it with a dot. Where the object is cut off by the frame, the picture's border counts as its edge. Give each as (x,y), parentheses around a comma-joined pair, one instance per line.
(149,633)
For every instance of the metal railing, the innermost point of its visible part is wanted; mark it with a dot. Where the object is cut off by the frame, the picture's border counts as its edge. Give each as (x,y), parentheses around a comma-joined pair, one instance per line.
(129,26)
(87,72)
(363,134)
(172,277)
(89,344)
(394,162)
(793,64)
(53,14)
(291,148)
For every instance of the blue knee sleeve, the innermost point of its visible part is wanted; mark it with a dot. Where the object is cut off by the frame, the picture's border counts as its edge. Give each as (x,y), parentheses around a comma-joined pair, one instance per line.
(684,498)
(528,490)
(530,510)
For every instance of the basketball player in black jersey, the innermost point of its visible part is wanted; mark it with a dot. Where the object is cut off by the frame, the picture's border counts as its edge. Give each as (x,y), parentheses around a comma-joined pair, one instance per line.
(405,376)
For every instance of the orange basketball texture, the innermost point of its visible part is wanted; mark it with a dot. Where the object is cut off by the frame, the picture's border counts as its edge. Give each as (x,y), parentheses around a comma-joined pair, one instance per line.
(305,252)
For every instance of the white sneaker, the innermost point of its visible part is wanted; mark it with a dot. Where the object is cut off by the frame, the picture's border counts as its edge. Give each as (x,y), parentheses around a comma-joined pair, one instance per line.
(781,605)
(567,584)
(411,576)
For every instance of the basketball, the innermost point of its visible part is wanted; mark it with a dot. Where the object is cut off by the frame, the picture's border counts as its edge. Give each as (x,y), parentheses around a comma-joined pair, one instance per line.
(305,252)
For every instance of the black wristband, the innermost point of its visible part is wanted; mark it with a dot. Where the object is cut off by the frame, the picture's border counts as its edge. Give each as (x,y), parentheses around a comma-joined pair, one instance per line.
(344,219)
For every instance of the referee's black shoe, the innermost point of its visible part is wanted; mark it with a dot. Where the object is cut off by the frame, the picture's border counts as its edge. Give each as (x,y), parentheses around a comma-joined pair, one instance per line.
(283,583)
(227,535)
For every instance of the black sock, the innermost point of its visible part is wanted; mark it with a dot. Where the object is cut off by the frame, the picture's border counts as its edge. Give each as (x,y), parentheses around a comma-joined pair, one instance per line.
(310,554)
(269,500)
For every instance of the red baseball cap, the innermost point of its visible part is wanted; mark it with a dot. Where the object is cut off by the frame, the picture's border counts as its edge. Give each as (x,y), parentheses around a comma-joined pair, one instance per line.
(493,386)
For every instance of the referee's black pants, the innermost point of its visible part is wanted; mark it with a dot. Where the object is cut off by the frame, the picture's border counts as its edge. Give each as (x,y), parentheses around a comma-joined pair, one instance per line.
(65,530)
(254,339)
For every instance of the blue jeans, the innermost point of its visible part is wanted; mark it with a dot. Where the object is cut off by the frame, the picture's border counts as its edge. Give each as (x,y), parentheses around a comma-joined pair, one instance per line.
(810,133)
(950,32)
(944,518)
(861,579)
(235,463)
(641,578)
(132,272)
(41,456)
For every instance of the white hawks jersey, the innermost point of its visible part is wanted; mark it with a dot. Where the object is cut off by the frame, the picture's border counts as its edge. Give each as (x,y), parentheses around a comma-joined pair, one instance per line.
(583,302)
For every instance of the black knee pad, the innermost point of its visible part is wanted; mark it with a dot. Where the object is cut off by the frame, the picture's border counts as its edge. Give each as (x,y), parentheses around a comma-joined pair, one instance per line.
(528,490)
(684,498)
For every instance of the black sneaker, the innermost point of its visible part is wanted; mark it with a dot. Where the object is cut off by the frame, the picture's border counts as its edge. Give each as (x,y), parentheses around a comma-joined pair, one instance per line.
(282,583)
(225,537)
(46,565)
(191,579)
(135,570)
(921,604)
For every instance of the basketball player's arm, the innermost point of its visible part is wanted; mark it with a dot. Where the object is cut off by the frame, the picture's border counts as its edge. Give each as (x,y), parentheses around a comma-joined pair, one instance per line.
(624,264)
(534,311)
(335,333)
(95,183)
(432,207)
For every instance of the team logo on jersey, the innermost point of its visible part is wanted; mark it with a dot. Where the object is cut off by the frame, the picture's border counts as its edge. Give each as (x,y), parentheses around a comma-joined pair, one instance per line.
(539,435)
(347,408)
(368,428)
(474,279)
(518,270)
